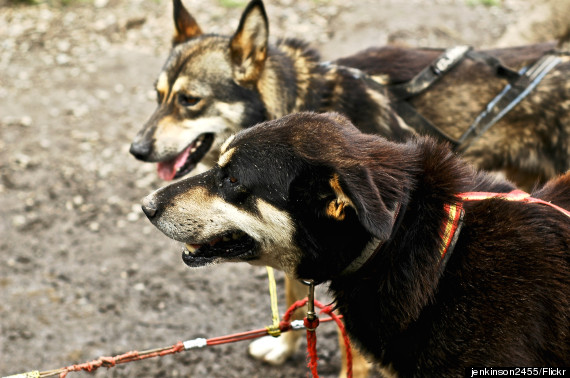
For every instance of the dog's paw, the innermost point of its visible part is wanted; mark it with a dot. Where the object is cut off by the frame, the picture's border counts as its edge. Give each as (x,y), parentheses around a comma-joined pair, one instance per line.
(274,350)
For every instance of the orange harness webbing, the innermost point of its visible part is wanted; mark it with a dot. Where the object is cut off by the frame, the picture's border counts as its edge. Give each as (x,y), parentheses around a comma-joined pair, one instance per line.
(453,221)
(515,195)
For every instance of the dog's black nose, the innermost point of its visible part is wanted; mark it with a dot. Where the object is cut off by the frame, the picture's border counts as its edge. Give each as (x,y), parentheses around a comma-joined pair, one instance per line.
(149,207)
(141,150)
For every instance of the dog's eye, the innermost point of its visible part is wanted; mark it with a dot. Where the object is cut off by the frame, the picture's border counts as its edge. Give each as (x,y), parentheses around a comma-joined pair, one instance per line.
(229,180)
(232,190)
(186,100)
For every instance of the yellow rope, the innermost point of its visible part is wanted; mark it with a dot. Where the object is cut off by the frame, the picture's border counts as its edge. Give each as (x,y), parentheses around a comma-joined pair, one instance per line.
(30,374)
(273,329)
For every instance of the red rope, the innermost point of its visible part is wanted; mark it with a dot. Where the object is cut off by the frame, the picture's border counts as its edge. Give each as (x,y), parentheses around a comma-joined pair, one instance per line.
(284,326)
(312,338)
(311,326)
(109,362)
(329,310)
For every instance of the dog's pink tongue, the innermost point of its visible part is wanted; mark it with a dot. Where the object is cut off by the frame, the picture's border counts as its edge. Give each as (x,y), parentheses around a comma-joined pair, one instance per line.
(167,170)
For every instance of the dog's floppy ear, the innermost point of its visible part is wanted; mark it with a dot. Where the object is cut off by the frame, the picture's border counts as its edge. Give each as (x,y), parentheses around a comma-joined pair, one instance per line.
(357,190)
(185,26)
(248,46)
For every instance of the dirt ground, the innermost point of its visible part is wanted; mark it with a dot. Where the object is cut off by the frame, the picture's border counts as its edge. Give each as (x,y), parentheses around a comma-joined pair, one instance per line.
(82,272)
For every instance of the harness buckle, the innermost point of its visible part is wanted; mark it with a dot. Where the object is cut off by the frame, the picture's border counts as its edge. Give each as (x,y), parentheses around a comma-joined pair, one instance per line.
(448,59)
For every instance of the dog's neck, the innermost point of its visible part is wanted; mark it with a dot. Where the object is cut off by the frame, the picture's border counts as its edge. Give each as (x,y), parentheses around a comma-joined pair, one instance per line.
(321,87)
(403,276)
(375,245)
(290,61)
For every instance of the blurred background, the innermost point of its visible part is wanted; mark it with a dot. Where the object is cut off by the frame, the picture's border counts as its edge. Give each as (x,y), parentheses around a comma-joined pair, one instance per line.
(82,272)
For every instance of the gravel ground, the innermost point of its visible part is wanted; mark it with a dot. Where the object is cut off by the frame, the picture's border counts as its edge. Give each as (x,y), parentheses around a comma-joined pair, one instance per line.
(82,273)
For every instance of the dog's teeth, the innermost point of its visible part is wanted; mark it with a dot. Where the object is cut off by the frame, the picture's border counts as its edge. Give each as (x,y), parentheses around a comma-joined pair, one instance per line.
(213,242)
(190,249)
(237,235)
(226,238)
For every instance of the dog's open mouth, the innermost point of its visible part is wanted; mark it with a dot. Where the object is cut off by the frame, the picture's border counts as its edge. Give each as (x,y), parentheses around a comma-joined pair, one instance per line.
(231,245)
(186,161)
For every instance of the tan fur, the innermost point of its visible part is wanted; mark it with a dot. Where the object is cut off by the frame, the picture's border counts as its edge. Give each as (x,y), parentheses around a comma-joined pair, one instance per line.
(224,146)
(335,208)
(249,49)
(162,85)
(225,157)
(269,89)
(186,26)
(303,71)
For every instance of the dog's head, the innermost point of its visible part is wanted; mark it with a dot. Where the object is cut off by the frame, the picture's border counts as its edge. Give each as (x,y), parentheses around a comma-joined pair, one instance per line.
(206,91)
(305,194)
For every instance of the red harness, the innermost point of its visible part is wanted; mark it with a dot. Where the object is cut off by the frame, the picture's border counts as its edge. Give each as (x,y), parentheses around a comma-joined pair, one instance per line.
(452,224)
(515,195)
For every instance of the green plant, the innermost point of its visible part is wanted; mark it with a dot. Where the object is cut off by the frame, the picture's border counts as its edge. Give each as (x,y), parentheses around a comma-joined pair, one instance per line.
(487,3)
(233,3)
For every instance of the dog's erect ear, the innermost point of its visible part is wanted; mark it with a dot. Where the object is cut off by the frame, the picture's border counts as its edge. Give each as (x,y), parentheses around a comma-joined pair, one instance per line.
(185,26)
(361,194)
(248,46)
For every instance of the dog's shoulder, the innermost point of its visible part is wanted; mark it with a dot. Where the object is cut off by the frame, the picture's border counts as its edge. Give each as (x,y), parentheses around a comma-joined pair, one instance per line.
(556,191)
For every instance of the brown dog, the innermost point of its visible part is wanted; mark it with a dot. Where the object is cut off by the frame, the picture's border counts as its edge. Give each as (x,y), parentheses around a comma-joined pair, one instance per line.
(426,288)
(212,86)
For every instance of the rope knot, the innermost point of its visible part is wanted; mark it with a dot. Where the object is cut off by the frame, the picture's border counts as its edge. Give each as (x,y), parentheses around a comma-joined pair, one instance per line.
(311,325)
(274,330)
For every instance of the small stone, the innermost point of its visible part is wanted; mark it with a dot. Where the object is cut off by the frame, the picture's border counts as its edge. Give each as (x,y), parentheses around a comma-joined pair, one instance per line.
(133,217)
(100,3)
(18,221)
(62,59)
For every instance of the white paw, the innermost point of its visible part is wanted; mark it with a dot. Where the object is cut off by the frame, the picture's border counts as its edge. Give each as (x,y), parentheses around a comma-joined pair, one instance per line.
(274,350)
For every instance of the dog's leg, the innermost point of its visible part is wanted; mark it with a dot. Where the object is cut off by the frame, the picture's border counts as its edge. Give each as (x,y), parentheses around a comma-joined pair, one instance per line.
(275,350)
(360,366)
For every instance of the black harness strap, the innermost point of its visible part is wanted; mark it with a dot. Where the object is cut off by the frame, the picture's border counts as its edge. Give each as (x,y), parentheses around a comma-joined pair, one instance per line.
(429,75)
(399,93)
(520,85)
(507,99)
(500,69)
(421,124)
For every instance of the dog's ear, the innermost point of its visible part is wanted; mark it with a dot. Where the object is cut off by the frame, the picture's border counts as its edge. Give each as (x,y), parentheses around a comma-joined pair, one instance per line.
(357,190)
(185,26)
(335,208)
(248,47)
